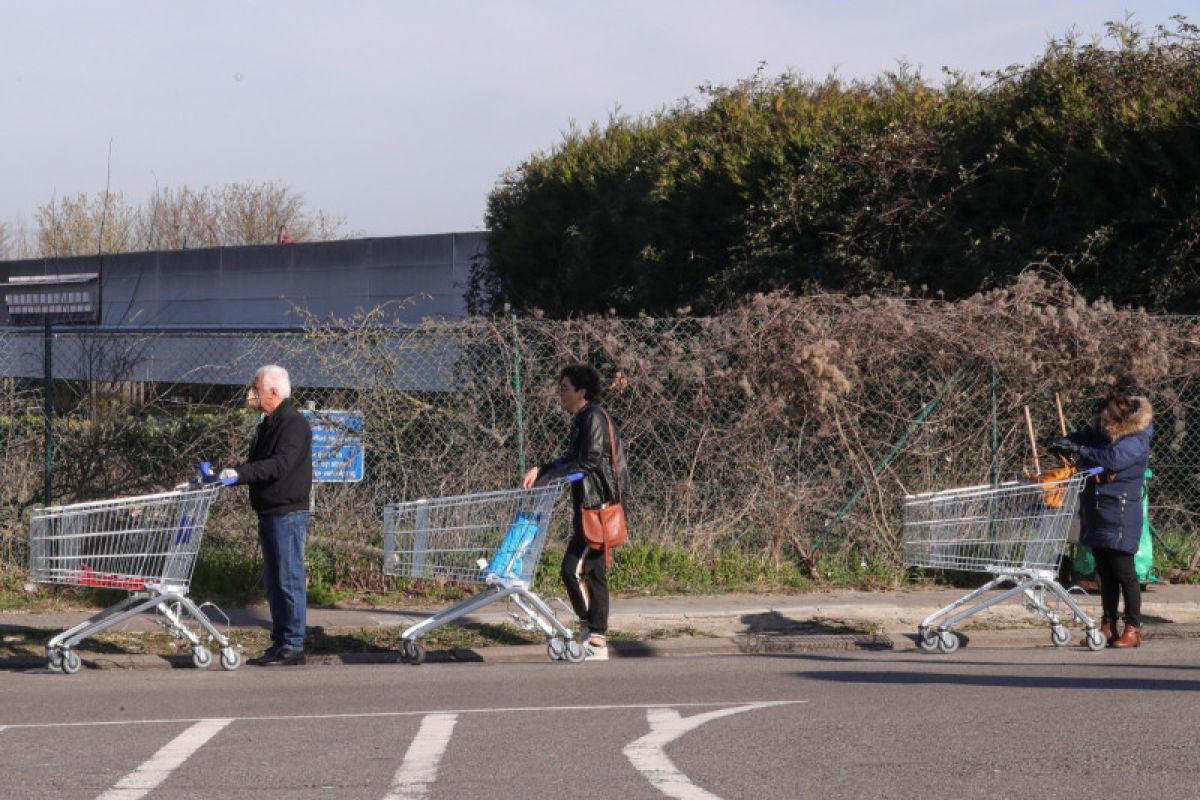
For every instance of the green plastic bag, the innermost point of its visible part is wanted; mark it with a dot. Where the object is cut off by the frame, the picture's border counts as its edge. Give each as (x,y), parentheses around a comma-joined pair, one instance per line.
(1143,561)
(1084,563)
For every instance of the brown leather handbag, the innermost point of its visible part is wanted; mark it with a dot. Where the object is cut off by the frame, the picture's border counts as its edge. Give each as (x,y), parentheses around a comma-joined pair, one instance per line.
(604,527)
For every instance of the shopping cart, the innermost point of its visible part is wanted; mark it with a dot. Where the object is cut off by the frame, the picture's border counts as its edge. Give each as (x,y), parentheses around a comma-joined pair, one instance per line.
(494,539)
(1016,532)
(146,545)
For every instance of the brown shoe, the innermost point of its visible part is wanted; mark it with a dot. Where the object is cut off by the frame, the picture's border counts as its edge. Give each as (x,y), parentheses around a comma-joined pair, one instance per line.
(1109,631)
(1132,637)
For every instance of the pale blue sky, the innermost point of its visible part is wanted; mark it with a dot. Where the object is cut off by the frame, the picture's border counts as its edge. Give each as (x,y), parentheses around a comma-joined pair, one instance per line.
(400,116)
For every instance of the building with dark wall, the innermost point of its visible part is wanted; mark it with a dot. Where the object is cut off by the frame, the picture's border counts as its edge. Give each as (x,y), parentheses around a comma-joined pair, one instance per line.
(211,316)
(262,286)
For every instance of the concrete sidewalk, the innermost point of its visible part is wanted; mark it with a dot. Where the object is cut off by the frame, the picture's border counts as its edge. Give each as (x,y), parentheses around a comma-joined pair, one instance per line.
(714,624)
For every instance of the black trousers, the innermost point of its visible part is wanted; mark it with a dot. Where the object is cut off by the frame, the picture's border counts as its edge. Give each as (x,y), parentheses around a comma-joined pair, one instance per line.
(585,575)
(1117,576)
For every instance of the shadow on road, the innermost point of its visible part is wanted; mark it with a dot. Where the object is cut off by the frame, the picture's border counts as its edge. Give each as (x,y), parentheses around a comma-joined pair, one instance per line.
(897,677)
(773,622)
(934,659)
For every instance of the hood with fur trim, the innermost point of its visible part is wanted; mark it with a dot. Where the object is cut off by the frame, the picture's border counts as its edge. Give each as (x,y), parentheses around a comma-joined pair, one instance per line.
(1138,421)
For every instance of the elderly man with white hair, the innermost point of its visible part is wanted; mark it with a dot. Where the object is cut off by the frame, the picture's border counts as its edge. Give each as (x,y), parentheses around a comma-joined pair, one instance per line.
(279,474)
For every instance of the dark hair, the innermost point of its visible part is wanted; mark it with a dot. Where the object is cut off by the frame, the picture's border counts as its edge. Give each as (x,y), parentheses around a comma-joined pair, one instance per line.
(1121,406)
(583,377)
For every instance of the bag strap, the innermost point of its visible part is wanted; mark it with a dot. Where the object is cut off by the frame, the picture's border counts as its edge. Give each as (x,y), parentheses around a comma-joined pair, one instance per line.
(612,442)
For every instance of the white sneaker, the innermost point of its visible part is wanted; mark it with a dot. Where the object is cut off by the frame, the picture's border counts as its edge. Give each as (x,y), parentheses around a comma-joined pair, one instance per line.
(595,652)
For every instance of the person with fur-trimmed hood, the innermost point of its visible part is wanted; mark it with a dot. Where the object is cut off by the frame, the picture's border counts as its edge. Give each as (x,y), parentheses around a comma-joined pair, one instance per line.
(1119,443)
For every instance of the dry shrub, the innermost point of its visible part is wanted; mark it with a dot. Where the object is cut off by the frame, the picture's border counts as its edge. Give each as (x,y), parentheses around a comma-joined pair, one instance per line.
(793,423)
(790,426)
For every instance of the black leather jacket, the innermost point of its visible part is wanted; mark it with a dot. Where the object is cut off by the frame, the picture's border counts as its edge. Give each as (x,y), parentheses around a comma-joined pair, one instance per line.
(589,452)
(279,470)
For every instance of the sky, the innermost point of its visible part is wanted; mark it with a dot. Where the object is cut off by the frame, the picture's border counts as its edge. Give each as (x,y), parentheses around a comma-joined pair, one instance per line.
(400,117)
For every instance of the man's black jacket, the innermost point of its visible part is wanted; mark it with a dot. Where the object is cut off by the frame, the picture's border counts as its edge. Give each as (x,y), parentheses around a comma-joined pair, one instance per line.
(279,471)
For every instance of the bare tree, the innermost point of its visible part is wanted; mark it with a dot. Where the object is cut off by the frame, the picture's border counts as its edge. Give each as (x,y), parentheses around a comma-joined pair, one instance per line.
(82,225)
(172,218)
(16,241)
(233,214)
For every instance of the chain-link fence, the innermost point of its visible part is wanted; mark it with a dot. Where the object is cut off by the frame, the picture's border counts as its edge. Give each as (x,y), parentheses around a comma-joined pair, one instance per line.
(791,427)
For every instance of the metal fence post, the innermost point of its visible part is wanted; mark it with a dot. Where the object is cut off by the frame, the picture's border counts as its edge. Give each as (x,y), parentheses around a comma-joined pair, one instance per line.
(995,423)
(519,394)
(923,415)
(47,411)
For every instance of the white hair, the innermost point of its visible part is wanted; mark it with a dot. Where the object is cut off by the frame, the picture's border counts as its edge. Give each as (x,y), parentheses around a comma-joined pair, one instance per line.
(273,375)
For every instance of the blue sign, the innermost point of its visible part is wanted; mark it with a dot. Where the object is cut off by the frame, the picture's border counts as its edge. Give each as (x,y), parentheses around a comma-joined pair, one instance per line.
(337,452)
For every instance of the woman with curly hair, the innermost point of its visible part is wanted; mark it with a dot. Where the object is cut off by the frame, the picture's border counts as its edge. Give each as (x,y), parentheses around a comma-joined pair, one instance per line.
(601,460)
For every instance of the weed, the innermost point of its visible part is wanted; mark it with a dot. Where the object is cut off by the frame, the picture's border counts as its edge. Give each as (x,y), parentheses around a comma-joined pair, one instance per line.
(227,572)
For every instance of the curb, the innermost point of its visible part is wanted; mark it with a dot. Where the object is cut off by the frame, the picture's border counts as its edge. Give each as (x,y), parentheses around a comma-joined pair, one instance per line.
(741,644)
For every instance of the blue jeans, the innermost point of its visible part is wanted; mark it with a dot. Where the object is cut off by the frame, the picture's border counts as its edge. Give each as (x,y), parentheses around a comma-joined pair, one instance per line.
(282,539)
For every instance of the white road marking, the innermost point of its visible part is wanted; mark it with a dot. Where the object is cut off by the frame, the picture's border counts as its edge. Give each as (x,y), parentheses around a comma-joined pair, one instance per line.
(149,775)
(386,714)
(649,757)
(419,768)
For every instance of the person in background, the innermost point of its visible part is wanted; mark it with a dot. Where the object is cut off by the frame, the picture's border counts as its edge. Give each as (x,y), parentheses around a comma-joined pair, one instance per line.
(282,236)
(1118,441)
(589,451)
(279,474)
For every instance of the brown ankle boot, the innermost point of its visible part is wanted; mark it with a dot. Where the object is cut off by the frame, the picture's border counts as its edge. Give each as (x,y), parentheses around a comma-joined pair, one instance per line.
(1108,630)
(1131,637)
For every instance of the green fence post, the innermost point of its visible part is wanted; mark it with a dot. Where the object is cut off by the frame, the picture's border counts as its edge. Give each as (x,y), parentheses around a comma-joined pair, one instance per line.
(995,423)
(887,459)
(47,412)
(519,394)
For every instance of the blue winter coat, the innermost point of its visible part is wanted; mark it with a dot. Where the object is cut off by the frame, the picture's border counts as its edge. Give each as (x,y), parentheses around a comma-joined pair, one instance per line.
(1112,501)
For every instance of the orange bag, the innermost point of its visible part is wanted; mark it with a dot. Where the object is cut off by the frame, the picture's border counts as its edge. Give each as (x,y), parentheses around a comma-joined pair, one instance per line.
(1053,489)
(604,527)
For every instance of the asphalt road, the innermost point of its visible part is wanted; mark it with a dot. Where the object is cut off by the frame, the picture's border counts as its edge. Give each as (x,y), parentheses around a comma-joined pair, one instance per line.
(1029,722)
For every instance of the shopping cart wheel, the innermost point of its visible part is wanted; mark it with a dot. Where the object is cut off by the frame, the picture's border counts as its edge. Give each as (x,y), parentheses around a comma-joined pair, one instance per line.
(201,657)
(412,652)
(927,640)
(948,641)
(1095,639)
(231,659)
(71,662)
(574,652)
(54,659)
(1059,635)
(556,649)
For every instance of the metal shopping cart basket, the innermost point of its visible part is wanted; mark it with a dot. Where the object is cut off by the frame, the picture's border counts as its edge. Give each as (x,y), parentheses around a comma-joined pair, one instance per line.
(146,545)
(494,539)
(1016,532)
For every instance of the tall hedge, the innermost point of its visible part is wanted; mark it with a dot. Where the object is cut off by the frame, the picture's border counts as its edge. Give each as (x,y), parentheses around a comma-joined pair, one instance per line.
(1086,160)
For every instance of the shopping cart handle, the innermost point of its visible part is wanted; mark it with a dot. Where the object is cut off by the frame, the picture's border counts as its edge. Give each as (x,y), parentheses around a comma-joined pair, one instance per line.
(208,476)
(1094,470)
(574,476)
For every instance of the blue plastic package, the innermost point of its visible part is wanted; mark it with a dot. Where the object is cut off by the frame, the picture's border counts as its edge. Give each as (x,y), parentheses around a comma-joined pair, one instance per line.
(509,558)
